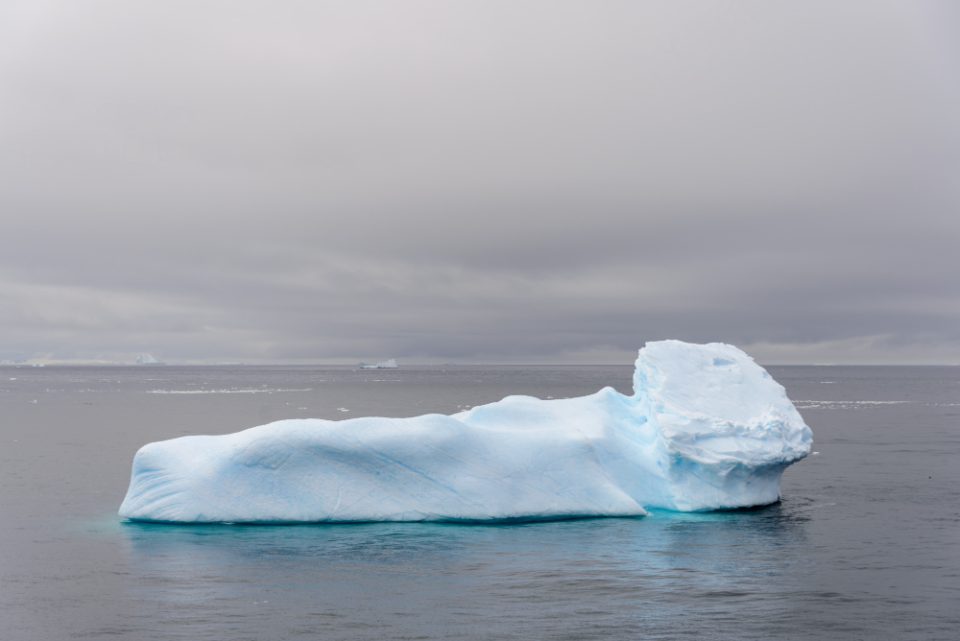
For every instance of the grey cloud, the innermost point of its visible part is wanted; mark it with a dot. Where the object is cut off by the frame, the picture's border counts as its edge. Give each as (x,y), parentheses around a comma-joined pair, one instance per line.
(478,180)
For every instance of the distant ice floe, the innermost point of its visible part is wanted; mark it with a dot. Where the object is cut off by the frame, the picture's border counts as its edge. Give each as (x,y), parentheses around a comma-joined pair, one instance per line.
(256,390)
(387,364)
(842,405)
(706,428)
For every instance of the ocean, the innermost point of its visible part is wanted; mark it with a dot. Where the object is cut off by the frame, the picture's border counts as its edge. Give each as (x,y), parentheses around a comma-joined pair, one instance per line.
(864,545)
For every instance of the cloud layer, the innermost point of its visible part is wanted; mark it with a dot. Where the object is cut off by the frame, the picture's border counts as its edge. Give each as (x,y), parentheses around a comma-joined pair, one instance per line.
(529,181)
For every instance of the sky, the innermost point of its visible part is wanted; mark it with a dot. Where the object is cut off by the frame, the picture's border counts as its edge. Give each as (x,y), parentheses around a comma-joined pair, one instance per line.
(490,181)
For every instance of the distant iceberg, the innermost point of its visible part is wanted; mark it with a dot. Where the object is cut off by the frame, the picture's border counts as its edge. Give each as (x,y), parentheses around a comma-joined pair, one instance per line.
(387,364)
(706,428)
(147,359)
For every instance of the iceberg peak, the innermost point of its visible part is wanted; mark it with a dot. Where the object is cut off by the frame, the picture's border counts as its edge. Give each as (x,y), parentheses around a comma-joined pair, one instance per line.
(706,428)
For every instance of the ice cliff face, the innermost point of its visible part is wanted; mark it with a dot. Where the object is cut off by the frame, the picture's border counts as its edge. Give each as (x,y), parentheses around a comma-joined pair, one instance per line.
(706,428)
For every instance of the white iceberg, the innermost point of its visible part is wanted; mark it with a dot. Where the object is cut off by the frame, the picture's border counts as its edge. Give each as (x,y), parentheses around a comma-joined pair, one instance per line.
(706,428)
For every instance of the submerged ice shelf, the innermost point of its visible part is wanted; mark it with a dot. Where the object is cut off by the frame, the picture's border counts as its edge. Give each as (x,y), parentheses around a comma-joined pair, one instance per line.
(706,428)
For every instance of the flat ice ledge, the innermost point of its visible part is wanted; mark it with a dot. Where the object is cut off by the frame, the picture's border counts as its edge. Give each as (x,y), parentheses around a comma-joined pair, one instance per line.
(706,428)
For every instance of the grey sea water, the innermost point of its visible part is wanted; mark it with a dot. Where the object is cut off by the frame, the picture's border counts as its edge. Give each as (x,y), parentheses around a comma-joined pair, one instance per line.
(864,545)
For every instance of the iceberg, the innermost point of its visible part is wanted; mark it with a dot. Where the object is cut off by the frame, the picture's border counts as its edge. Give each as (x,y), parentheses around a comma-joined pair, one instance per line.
(706,428)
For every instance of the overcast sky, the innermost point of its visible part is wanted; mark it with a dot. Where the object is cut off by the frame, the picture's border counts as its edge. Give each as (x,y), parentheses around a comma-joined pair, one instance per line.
(479,181)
